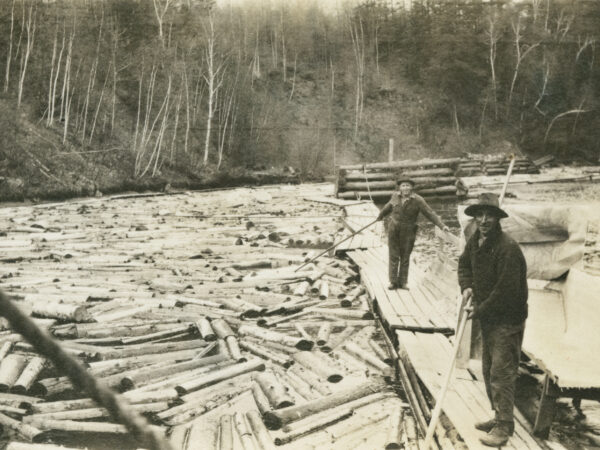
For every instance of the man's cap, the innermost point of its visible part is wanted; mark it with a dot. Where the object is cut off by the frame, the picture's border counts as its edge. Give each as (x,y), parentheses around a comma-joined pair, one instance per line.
(486,201)
(402,179)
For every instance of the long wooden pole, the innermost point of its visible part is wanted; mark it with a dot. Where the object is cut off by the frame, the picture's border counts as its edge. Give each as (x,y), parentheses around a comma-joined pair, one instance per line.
(435,414)
(335,245)
(51,350)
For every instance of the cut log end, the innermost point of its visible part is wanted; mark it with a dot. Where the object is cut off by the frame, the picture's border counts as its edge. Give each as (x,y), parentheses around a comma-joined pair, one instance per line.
(336,378)
(272,420)
(303,344)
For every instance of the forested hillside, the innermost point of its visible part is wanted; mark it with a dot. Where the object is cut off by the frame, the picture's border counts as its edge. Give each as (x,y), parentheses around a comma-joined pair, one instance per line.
(113,94)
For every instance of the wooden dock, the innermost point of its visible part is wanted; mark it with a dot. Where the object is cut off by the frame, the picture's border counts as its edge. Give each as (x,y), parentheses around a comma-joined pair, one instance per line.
(421,321)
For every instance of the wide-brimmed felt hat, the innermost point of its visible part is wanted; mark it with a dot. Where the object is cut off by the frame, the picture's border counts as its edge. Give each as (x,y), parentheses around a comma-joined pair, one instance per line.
(488,201)
(402,179)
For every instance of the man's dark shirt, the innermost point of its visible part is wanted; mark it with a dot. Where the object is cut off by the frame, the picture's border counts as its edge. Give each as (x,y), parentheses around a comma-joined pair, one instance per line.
(406,213)
(497,273)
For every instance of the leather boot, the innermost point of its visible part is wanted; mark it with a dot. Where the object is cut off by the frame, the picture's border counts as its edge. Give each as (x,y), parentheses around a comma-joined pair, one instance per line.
(486,426)
(498,436)
(393,286)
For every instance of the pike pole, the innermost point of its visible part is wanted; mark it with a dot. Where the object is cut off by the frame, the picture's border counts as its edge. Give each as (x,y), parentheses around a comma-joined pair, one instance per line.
(335,245)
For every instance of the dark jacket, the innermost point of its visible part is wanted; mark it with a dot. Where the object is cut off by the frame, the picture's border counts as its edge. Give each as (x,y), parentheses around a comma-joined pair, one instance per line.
(406,215)
(497,273)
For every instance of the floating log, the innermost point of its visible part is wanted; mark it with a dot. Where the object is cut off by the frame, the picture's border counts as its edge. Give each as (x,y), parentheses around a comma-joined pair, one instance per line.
(29,432)
(149,348)
(395,430)
(313,426)
(83,427)
(185,329)
(274,420)
(10,370)
(5,349)
(274,390)
(380,352)
(244,431)
(259,430)
(321,366)
(341,312)
(323,334)
(302,288)
(234,349)
(260,398)
(222,328)
(29,375)
(130,379)
(18,401)
(205,330)
(303,332)
(61,311)
(323,290)
(287,318)
(310,378)
(273,336)
(362,354)
(266,354)
(246,309)
(219,375)
(302,388)
(341,338)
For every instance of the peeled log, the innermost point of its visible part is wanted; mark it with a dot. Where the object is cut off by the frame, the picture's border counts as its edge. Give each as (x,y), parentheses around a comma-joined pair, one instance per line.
(380,352)
(323,334)
(261,400)
(274,390)
(273,336)
(29,375)
(259,430)
(301,288)
(138,376)
(359,352)
(61,311)
(234,349)
(220,375)
(323,290)
(5,350)
(394,437)
(222,328)
(205,330)
(341,337)
(311,378)
(266,354)
(319,365)
(404,164)
(10,370)
(274,420)
(225,433)
(29,432)
(244,431)
(344,313)
(85,427)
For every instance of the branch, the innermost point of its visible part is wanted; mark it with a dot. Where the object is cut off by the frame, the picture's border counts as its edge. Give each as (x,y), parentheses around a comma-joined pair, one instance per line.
(572,111)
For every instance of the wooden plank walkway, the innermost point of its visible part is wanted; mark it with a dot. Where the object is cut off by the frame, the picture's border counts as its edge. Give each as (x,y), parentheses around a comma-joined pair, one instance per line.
(417,317)
(466,401)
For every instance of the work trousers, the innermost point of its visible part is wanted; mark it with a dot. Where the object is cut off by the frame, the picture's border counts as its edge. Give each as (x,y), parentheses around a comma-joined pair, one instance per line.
(500,363)
(401,240)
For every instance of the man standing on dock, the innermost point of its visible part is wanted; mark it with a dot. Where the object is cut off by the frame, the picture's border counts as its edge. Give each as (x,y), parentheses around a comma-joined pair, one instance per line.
(493,273)
(404,208)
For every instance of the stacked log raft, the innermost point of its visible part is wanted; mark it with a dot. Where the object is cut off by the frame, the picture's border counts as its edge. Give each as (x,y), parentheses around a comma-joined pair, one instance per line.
(433,177)
(377,181)
(496,164)
(191,306)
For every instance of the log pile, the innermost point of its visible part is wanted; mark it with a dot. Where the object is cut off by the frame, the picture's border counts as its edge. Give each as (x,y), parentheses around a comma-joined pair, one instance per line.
(497,164)
(377,181)
(434,178)
(191,308)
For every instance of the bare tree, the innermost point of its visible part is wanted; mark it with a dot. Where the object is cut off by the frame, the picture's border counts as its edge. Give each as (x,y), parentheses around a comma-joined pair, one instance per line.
(214,80)
(358,46)
(493,36)
(160,9)
(521,53)
(30,29)
(10,44)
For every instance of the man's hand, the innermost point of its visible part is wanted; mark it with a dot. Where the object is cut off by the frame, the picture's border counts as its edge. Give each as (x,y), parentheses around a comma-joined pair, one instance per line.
(467,296)
(379,217)
(446,229)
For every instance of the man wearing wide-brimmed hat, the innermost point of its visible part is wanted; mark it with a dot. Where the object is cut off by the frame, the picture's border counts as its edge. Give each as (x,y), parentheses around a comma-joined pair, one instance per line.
(492,273)
(404,208)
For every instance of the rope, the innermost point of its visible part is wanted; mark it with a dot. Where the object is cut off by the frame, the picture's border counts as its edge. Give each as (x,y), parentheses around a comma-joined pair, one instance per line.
(51,350)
